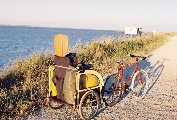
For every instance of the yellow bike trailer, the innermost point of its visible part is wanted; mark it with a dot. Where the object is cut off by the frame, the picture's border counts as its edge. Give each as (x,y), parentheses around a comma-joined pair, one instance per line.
(74,84)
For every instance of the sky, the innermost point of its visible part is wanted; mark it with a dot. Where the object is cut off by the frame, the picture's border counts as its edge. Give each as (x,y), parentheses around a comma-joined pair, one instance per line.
(91,14)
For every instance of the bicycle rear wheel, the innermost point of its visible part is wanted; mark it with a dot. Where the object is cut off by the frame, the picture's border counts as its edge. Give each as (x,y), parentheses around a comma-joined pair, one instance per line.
(112,91)
(139,83)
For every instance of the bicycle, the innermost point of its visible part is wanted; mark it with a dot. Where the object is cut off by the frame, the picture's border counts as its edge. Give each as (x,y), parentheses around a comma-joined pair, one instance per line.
(117,86)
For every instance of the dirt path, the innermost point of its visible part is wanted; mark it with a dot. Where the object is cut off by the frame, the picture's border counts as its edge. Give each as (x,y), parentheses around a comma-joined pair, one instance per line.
(161,99)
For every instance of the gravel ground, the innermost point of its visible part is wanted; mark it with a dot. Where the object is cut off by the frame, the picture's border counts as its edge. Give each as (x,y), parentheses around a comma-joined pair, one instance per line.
(160,101)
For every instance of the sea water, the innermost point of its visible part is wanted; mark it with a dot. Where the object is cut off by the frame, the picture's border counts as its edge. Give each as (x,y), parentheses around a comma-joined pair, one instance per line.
(20,41)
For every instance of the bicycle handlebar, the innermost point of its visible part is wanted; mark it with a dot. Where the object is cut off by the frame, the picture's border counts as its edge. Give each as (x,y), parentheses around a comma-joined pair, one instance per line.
(121,62)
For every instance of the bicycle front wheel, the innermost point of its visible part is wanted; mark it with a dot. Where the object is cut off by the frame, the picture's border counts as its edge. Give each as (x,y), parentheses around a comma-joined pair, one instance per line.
(112,90)
(139,83)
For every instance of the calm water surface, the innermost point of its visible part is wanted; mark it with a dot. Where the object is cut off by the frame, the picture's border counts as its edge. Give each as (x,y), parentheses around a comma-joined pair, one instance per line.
(19,41)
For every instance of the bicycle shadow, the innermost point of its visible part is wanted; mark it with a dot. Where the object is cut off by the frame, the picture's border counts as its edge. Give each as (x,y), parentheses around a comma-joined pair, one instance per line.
(154,72)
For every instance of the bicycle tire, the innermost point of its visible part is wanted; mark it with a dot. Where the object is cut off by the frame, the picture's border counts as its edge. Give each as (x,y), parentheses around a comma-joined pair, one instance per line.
(90,97)
(139,87)
(110,91)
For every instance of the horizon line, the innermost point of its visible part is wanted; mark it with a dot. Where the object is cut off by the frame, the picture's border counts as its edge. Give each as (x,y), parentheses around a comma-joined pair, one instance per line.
(53,27)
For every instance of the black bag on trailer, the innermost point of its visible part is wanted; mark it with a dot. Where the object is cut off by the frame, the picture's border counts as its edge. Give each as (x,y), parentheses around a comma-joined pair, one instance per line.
(73,59)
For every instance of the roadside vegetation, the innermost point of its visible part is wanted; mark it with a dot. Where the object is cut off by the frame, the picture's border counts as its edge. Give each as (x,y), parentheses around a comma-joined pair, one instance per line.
(24,85)
(105,52)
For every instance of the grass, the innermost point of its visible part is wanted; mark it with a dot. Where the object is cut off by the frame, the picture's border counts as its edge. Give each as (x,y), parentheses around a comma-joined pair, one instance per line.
(23,86)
